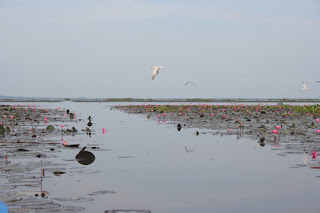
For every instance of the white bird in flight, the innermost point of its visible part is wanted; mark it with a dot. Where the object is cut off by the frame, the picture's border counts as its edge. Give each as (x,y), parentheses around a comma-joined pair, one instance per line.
(155,71)
(304,86)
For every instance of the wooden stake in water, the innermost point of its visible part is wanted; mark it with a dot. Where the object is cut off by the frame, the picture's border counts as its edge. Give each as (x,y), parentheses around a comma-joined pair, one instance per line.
(41,176)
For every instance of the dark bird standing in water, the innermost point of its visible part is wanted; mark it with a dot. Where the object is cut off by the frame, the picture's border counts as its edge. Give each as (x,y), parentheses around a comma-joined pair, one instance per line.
(179,127)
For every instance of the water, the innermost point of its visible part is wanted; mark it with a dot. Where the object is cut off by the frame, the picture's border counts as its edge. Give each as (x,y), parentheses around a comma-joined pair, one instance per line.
(147,166)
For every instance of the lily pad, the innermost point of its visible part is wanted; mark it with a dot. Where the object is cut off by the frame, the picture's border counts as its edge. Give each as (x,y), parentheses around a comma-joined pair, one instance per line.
(50,128)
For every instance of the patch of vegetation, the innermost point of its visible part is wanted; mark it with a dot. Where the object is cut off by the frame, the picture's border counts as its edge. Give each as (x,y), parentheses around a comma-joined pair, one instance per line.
(49,128)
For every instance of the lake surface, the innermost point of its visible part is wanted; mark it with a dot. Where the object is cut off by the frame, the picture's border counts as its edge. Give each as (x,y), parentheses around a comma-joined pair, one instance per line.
(147,165)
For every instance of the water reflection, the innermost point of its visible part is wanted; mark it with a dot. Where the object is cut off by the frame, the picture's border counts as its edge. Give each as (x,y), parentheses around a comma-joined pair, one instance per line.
(85,157)
(88,132)
(202,177)
(305,158)
(189,150)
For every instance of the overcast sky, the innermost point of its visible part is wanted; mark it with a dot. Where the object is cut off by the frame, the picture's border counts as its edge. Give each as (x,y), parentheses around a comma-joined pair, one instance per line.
(105,49)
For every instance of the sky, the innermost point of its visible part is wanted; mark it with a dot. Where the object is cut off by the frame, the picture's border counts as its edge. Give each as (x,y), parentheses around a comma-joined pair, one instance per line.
(106,49)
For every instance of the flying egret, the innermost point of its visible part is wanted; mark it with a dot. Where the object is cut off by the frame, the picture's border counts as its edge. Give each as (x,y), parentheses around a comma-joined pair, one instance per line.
(155,71)
(304,86)
(189,82)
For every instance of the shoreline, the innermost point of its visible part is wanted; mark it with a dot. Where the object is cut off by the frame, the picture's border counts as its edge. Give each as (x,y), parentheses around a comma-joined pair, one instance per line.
(174,100)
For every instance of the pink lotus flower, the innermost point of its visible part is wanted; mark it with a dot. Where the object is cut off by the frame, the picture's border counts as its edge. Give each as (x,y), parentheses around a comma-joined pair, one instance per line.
(64,143)
(103,130)
(314,155)
(62,126)
(45,118)
(0,123)
(317,120)
(318,131)
(278,127)
(11,116)
(158,116)
(275,131)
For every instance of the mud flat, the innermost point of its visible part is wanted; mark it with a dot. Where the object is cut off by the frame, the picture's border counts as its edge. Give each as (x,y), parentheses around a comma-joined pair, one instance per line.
(30,140)
(292,129)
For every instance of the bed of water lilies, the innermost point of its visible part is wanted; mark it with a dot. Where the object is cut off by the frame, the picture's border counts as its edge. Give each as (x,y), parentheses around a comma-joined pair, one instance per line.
(265,123)
(30,139)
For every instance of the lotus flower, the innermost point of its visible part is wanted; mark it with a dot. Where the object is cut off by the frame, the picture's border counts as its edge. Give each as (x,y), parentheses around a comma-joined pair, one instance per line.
(314,155)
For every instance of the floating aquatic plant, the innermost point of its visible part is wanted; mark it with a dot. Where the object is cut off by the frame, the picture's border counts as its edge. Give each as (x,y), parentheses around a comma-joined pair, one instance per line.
(50,128)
